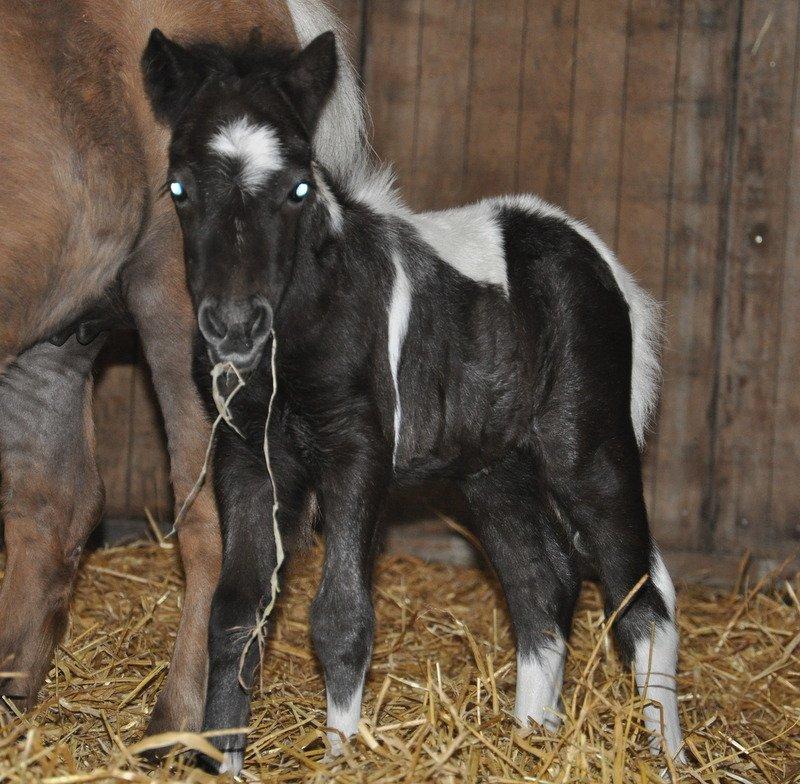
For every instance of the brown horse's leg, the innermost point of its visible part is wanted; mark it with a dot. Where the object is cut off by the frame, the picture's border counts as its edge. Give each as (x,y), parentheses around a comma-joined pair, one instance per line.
(160,305)
(52,498)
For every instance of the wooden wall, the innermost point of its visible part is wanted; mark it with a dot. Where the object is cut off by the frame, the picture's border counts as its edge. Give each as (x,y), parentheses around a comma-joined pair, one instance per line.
(673,129)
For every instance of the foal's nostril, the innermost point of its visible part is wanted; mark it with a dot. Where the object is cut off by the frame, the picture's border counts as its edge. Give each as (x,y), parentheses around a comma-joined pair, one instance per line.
(210,324)
(262,323)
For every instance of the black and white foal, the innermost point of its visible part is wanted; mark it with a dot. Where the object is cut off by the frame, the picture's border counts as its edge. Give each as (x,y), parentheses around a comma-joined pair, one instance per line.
(500,345)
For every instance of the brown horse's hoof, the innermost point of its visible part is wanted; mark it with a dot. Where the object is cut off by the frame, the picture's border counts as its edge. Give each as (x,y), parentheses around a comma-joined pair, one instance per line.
(165,718)
(8,702)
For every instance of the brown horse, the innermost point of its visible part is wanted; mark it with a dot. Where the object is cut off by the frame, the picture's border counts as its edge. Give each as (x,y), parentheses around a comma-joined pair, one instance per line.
(82,164)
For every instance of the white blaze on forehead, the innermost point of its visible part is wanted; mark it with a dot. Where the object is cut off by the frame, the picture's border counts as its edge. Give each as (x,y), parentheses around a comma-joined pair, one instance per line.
(255,147)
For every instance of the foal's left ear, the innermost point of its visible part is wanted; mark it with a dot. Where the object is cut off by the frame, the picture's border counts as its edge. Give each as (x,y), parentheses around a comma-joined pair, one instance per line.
(172,75)
(310,77)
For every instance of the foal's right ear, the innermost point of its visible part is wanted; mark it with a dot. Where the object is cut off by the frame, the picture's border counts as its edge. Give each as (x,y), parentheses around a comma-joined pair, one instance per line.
(172,75)
(310,77)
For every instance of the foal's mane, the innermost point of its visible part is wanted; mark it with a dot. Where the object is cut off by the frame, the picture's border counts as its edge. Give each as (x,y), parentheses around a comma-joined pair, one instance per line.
(252,59)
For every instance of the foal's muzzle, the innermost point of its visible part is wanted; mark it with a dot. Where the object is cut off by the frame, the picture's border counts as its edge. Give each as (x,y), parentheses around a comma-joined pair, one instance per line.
(236,331)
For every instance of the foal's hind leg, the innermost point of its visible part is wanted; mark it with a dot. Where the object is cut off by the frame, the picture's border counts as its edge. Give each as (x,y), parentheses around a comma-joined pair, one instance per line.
(601,492)
(52,498)
(521,533)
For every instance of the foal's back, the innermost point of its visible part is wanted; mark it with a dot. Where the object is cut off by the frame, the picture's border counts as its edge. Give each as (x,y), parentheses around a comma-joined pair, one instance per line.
(82,159)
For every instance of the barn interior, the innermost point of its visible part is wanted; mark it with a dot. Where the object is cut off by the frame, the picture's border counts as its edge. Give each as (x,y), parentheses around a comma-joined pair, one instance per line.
(672,128)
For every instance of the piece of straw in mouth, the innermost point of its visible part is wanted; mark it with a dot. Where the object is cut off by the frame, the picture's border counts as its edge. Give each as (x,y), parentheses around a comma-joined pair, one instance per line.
(259,630)
(223,370)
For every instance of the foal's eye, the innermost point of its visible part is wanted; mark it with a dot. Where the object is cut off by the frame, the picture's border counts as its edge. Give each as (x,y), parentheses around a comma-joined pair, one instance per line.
(178,191)
(299,192)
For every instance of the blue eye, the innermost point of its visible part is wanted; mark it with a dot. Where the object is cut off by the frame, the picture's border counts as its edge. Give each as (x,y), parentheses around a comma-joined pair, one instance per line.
(178,191)
(299,192)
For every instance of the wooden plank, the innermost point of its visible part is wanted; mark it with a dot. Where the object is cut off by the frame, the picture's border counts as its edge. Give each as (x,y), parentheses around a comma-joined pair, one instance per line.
(641,236)
(755,262)
(493,125)
(391,75)
(697,214)
(149,486)
(546,90)
(441,125)
(597,114)
(785,489)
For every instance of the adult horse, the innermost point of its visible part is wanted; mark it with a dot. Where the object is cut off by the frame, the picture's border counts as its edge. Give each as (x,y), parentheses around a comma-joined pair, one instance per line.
(82,165)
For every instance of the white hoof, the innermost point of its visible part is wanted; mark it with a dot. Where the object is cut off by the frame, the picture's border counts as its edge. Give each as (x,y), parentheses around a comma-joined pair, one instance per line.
(232,762)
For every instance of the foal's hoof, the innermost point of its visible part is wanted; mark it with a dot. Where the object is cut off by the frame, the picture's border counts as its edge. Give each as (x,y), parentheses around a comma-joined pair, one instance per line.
(232,763)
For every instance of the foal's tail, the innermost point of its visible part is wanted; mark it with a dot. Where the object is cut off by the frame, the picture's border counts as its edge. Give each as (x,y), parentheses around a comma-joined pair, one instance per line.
(646,332)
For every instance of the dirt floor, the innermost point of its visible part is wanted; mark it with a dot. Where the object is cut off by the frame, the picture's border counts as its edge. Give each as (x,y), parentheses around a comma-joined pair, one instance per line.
(439,692)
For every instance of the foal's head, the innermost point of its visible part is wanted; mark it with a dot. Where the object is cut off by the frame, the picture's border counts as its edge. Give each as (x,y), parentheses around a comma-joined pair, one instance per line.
(241,175)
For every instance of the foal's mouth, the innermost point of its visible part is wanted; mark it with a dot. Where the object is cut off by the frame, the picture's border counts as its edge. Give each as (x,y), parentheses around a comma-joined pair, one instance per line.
(236,362)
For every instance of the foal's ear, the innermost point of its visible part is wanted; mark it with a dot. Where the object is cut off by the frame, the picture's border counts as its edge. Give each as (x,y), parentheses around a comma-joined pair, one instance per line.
(172,75)
(310,77)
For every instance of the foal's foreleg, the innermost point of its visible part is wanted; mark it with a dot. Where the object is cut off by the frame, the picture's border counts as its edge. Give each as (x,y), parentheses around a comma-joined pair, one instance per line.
(245,497)
(342,615)
(52,498)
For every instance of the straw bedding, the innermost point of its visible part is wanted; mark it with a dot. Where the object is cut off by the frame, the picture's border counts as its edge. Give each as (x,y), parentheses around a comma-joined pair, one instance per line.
(439,693)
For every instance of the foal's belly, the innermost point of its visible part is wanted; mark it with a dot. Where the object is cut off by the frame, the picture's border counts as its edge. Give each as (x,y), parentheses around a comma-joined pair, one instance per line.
(458,418)
(440,447)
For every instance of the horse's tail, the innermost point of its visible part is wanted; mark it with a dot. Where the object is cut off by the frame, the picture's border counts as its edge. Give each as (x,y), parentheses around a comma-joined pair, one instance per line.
(340,141)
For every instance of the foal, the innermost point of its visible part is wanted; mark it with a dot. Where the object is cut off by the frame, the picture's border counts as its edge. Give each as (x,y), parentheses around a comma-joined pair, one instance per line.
(500,345)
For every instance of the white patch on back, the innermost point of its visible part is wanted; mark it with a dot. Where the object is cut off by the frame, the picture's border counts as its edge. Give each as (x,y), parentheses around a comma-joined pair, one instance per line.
(256,147)
(344,717)
(539,679)
(469,239)
(399,312)
(645,314)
